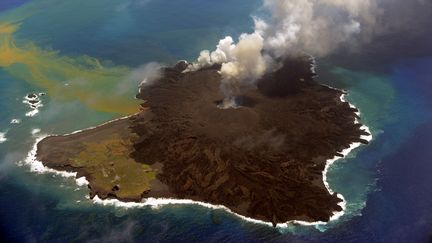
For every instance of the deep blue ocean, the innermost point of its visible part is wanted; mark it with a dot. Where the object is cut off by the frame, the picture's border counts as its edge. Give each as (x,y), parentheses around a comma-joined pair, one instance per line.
(53,46)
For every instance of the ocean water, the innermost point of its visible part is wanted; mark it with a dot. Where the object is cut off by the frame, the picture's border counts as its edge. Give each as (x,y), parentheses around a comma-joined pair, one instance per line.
(79,52)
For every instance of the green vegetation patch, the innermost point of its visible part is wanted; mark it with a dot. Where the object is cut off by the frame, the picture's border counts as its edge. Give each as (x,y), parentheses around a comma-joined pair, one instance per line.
(111,170)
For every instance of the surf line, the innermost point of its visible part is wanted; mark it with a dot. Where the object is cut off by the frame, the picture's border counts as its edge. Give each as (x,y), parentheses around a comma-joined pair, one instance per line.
(38,167)
(155,203)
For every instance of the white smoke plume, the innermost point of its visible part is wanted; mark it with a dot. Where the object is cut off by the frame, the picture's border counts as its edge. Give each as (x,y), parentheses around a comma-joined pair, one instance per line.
(149,73)
(315,27)
(293,27)
(244,66)
(141,76)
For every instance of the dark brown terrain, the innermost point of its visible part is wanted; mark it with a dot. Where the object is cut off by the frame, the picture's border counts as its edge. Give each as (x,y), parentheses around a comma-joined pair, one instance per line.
(263,160)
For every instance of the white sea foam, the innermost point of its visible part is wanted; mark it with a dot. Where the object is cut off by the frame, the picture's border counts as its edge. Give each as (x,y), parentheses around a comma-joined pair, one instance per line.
(82,181)
(15,121)
(158,202)
(34,103)
(38,167)
(32,113)
(35,131)
(345,152)
(3,137)
(155,203)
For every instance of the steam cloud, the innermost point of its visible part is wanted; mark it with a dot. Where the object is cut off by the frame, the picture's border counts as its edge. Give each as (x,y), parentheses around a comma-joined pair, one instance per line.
(315,27)
(242,63)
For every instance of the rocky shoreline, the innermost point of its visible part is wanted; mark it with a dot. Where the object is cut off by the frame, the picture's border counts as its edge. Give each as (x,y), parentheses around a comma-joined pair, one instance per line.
(264,160)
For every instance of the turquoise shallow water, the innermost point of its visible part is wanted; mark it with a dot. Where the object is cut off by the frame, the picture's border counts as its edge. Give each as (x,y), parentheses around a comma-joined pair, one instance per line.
(385,183)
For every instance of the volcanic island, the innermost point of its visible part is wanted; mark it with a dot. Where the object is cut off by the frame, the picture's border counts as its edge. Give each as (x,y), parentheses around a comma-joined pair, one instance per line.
(263,159)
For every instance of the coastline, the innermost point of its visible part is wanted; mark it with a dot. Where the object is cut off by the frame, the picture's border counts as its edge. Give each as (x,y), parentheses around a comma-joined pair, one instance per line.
(93,127)
(345,153)
(38,167)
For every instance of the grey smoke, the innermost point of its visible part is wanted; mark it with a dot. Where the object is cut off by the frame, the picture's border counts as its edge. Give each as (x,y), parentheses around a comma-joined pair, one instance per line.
(298,27)
(148,73)
(144,75)
(242,62)
(315,27)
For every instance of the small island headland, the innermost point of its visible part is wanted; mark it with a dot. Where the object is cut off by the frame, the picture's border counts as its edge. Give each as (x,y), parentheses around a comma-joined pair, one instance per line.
(263,159)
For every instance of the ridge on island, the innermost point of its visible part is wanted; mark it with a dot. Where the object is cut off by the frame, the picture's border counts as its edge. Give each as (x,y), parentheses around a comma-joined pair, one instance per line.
(264,160)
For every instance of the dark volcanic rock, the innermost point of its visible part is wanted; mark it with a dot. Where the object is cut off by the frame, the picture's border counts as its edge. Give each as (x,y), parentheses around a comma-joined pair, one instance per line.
(263,160)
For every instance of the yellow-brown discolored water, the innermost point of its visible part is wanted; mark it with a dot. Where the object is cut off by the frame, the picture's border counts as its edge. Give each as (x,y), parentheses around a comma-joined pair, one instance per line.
(81,78)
